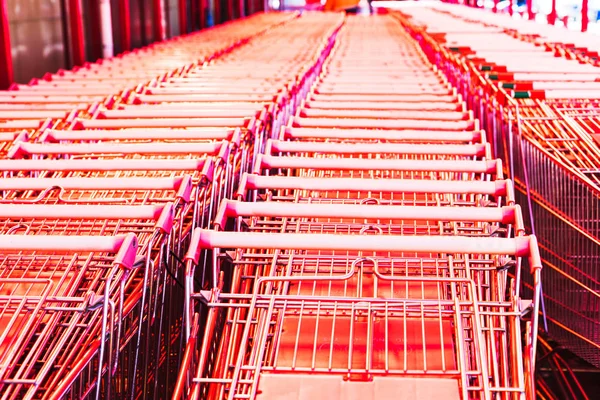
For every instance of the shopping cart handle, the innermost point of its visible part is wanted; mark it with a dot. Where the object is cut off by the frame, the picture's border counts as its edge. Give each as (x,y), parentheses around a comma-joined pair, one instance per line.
(524,246)
(22,124)
(382,124)
(355,164)
(472,150)
(233,209)
(431,115)
(358,92)
(124,246)
(258,182)
(24,149)
(161,123)
(180,184)
(155,112)
(21,136)
(116,164)
(161,214)
(54,135)
(154,96)
(408,98)
(288,132)
(40,114)
(58,98)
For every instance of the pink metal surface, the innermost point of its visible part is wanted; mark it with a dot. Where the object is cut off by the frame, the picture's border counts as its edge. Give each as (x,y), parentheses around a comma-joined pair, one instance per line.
(125,24)
(76,32)
(6,62)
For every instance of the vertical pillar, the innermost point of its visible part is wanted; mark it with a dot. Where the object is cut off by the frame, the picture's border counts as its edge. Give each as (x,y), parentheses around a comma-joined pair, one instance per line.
(76,28)
(495,7)
(230,13)
(94,47)
(143,22)
(106,28)
(552,15)
(6,64)
(183,17)
(585,17)
(125,22)
(241,8)
(159,21)
(192,14)
(202,5)
(217,18)
(530,14)
(511,6)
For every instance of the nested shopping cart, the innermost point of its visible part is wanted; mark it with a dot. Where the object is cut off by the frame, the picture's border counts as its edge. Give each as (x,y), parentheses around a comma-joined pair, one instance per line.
(60,309)
(173,200)
(374,248)
(536,97)
(56,95)
(148,169)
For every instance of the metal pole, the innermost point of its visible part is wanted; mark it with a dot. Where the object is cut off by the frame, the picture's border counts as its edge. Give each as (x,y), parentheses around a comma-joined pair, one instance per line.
(125,21)
(530,13)
(202,5)
(230,11)
(241,8)
(585,18)
(143,17)
(552,15)
(183,17)
(159,21)
(217,18)
(77,37)
(6,64)
(106,28)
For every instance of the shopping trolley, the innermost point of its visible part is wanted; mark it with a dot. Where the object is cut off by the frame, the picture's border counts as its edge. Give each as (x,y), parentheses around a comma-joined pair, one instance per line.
(277,295)
(536,96)
(120,166)
(60,298)
(342,248)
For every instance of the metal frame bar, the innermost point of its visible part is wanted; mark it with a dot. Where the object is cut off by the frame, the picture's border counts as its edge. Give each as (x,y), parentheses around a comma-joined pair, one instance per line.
(6,63)
(585,18)
(94,20)
(202,13)
(552,15)
(77,34)
(183,23)
(125,22)
(159,21)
